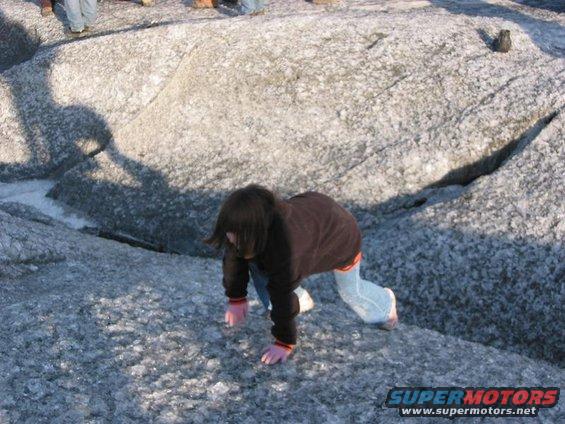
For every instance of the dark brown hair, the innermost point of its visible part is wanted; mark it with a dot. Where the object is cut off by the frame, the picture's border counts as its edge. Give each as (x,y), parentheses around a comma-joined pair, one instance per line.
(247,212)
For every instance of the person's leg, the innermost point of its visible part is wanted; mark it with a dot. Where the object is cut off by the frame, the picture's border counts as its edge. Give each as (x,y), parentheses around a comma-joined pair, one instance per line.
(88,11)
(252,6)
(373,303)
(74,15)
(260,283)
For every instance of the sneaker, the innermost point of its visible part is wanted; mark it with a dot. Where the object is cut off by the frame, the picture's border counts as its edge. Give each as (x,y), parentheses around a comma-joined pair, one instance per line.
(304,299)
(258,12)
(393,316)
(74,34)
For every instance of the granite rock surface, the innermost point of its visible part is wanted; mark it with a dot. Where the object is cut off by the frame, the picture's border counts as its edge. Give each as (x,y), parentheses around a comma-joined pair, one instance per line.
(359,109)
(451,155)
(182,112)
(489,264)
(118,334)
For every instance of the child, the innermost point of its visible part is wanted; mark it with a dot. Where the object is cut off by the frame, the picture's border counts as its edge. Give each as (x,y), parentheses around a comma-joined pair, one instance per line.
(81,15)
(282,242)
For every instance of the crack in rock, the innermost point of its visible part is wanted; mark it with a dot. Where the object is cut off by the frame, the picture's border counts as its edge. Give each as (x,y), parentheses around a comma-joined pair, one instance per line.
(487,165)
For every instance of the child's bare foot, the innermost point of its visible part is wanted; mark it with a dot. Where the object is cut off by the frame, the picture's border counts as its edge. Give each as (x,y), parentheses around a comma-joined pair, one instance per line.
(393,316)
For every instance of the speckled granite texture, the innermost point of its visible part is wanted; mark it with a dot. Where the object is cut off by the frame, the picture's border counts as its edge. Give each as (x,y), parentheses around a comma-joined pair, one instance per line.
(357,112)
(389,106)
(488,265)
(117,334)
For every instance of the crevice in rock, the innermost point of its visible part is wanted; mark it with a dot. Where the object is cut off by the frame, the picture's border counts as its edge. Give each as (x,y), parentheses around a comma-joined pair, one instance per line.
(447,188)
(121,237)
(450,186)
(17,44)
(453,184)
(485,166)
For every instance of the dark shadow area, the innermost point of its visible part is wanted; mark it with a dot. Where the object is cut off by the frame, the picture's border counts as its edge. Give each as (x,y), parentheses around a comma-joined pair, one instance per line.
(497,291)
(17,44)
(538,30)
(552,5)
(58,137)
(487,165)
(488,40)
(62,137)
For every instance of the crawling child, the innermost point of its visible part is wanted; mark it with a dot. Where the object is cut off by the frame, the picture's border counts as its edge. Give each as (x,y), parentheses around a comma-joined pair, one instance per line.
(281,242)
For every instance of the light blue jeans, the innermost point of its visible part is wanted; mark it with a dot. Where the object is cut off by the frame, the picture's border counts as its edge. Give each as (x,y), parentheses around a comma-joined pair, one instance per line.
(250,6)
(260,282)
(370,301)
(80,13)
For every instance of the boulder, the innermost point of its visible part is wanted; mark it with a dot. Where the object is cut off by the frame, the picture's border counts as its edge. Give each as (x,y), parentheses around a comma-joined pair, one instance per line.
(362,111)
(90,340)
(488,265)
(61,106)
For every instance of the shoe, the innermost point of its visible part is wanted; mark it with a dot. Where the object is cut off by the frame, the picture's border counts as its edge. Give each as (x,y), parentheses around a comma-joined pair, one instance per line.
(74,34)
(204,4)
(304,299)
(393,316)
(148,3)
(258,12)
(46,7)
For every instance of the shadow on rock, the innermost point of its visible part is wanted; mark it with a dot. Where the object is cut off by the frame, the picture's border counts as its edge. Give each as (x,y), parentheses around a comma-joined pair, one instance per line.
(58,137)
(16,43)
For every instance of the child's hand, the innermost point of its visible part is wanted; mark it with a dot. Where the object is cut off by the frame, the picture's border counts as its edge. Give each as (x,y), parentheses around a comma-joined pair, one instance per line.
(237,311)
(276,352)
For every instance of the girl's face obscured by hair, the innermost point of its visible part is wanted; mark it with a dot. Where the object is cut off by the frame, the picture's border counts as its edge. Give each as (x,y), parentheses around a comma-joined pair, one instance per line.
(232,237)
(244,221)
